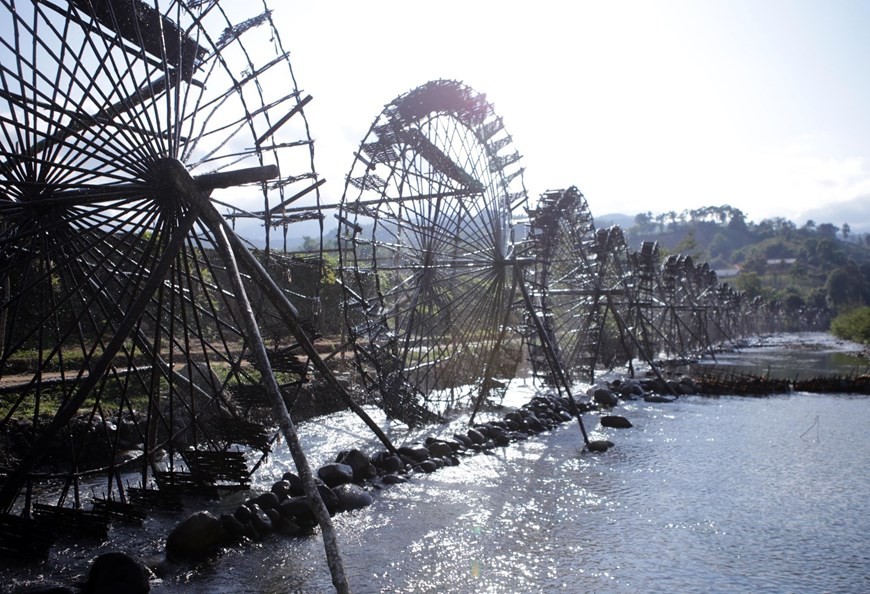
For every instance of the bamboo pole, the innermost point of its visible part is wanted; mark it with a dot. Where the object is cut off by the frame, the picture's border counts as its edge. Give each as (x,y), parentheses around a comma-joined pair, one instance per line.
(550,352)
(261,362)
(290,316)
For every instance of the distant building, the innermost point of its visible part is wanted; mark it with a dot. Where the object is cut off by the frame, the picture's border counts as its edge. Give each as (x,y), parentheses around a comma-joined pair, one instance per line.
(723,273)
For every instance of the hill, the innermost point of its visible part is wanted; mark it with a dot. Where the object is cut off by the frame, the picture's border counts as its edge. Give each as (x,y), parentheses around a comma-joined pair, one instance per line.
(816,264)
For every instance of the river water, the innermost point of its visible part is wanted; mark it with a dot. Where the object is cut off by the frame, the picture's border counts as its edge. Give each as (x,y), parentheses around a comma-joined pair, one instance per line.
(729,494)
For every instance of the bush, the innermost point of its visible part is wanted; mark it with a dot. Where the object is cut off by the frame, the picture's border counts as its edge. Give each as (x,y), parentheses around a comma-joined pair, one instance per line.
(853,325)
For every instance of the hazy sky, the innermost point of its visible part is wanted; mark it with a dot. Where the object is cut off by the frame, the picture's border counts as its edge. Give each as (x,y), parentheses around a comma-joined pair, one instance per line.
(657,105)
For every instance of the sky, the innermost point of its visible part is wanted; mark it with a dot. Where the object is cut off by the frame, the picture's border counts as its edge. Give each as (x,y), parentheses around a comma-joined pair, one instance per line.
(644,106)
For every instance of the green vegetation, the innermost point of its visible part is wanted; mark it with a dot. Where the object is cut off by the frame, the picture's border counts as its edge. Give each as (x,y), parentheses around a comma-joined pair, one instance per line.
(816,265)
(853,325)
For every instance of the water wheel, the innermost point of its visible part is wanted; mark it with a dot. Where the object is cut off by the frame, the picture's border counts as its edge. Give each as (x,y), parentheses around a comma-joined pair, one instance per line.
(121,336)
(427,237)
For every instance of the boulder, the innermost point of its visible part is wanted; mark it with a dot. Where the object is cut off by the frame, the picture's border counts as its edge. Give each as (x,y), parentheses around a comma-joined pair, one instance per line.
(351,497)
(260,521)
(616,422)
(329,498)
(655,398)
(282,490)
(298,510)
(533,423)
(416,453)
(243,513)
(358,461)
(237,530)
(688,386)
(437,449)
(196,537)
(286,527)
(604,397)
(463,440)
(392,464)
(268,500)
(673,387)
(335,474)
(476,436)
(427,466)
(296,486)
(118,573)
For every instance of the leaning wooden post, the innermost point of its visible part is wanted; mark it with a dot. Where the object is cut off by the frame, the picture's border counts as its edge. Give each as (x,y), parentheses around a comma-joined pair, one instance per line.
(261,360)
(550,352)
(290,316)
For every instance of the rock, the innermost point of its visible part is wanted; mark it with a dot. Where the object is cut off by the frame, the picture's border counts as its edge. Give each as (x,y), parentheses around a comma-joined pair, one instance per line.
(267,500)
(604,397)
(463,439)
(296,486)
(237,530)
(427,466)
(475,436)
(657,385)
(243,514)
(599,445)
(483,430)
(275,518)
(673,387)
(616,422)
(260,521)
(631,388)
(655,398)
(329,499)
(393,479)
(502,440)
(298,510)
(282,490)
(438,449)
(286,527)
(196,537)
(687,386)
(392,464)
(359,462)
(118,573)
(351,497)
(335,474)
(534,423)
(415,453)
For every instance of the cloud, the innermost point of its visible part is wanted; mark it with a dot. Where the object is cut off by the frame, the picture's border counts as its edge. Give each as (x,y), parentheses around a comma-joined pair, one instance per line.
(856,212)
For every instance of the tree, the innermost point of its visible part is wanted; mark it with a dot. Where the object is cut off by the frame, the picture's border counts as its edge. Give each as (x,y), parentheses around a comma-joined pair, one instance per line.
(846,230)
(755,263)
(689,245)
(827,230)
(749,283)
(845,287)
(720,246)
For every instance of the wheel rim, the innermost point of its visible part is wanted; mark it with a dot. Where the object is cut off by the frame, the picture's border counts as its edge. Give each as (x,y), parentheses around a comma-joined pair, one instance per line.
(427,242)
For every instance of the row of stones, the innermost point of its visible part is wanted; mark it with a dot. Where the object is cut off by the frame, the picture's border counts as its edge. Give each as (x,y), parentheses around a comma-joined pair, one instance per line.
(342,484)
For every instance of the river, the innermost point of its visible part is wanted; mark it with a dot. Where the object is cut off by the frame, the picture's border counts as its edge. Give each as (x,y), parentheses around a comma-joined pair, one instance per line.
(728,494)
